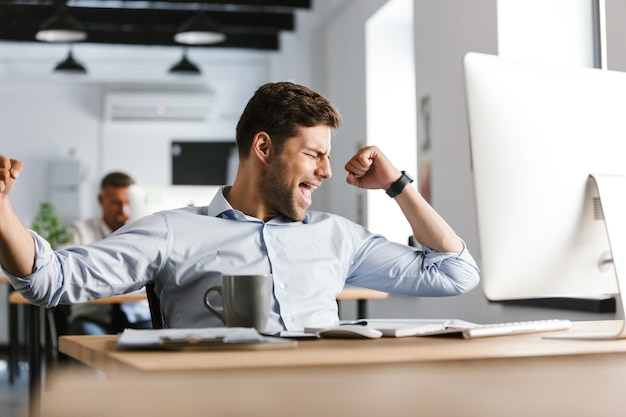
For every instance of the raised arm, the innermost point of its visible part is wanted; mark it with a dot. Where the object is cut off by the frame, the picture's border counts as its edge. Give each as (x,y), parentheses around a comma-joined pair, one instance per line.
(371,169)
(17,247)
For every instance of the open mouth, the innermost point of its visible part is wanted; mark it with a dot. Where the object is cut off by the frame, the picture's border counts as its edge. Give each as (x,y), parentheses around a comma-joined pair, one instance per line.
(306,190)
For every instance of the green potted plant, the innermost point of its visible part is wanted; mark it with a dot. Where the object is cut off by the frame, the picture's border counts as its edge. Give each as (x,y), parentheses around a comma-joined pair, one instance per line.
(49,226)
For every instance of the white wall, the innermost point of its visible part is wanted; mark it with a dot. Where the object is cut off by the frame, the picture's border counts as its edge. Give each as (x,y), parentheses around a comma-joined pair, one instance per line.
(550,32)
(40,120)
(344,46)
(391,113)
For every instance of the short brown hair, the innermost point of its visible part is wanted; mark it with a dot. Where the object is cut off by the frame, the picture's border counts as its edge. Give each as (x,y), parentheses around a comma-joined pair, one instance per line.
(279,109)
(116,180)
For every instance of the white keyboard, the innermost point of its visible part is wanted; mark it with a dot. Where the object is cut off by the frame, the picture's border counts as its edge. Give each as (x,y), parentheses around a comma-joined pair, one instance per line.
(504,329)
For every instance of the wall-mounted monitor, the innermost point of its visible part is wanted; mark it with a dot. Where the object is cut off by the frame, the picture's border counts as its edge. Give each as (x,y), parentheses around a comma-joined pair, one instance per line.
(203,162)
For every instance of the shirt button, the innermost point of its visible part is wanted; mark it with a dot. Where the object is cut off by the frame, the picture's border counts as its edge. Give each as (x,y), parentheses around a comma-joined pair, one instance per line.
(281,286)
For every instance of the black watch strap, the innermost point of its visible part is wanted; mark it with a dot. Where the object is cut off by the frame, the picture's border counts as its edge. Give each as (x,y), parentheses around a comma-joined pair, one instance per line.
(397,187)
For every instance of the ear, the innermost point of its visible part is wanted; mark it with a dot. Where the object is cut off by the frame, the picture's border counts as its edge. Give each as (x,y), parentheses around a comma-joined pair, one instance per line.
(262,146)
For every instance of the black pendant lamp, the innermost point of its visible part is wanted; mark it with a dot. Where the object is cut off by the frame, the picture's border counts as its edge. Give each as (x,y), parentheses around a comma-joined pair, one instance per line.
(70,66)
(185,66)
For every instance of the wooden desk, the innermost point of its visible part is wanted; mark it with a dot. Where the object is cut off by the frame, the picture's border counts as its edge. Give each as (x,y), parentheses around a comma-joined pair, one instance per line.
(102,353)
(518,375)
(362,295)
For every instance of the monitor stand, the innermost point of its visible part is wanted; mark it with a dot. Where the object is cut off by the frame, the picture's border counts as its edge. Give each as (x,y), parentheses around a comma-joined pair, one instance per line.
(612,194)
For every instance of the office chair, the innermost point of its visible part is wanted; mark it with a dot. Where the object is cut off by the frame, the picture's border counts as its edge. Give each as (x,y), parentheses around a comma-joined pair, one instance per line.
(56,324)
(156,314)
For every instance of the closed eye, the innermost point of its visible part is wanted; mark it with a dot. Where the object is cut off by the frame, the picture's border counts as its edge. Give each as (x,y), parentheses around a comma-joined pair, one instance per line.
(317,155)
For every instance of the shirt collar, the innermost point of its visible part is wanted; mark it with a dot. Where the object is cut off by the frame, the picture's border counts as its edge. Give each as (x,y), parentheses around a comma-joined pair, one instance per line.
(220,207)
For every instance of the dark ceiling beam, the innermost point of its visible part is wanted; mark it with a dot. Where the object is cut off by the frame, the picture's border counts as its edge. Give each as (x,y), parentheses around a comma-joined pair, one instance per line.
(267,42)
(33,16)
(194,4)
(261,42)
(304,4)
(255,30)
(188,5)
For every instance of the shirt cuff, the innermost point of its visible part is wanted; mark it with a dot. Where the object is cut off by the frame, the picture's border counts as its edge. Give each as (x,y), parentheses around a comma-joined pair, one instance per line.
(434,258)
(43,251)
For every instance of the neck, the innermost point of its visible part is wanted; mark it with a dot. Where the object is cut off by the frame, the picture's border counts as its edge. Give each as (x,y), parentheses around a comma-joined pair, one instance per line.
(246,197)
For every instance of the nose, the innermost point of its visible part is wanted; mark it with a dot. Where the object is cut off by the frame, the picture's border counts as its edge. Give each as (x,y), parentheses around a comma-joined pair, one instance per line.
(323,168)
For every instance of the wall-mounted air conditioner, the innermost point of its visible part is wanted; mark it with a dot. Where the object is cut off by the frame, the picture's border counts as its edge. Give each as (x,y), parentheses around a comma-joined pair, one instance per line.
(172,106)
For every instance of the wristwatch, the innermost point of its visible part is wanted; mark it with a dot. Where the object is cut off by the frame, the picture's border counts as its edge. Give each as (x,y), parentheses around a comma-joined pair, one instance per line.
(397,187)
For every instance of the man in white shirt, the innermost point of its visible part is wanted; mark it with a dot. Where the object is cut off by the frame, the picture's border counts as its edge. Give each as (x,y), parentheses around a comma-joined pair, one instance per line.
(97,319)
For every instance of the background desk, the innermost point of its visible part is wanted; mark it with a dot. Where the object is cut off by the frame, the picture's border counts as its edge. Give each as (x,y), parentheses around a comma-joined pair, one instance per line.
(17,298)
(518,375)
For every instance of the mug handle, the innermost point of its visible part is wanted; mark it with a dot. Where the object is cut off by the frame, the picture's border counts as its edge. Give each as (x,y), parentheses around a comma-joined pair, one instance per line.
(219,313)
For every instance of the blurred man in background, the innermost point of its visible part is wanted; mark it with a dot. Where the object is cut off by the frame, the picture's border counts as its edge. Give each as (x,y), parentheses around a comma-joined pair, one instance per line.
(94,319)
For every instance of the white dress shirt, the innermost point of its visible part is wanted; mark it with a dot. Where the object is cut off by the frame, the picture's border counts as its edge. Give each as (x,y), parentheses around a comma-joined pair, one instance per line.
(88,231)
(185,251)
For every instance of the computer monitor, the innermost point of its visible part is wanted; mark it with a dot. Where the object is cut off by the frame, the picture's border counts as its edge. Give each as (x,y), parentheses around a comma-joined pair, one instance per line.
(204,162)
(537,132)
(145,200)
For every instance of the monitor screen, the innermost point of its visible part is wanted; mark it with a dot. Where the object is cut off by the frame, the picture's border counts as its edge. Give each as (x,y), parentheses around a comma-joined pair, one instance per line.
(204,163)
(537,132)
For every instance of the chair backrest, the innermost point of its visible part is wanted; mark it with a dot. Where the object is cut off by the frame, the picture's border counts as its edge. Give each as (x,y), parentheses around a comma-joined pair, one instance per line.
(156,314)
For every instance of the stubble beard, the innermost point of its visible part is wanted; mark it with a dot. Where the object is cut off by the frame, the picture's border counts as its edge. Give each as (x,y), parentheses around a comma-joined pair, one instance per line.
(279,194)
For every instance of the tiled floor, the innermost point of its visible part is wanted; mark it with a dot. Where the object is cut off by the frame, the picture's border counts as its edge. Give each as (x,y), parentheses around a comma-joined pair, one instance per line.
(13,397)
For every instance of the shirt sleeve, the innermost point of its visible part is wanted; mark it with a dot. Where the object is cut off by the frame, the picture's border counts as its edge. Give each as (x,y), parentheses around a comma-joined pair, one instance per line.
(405,270)
(43,254)
(120,263)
